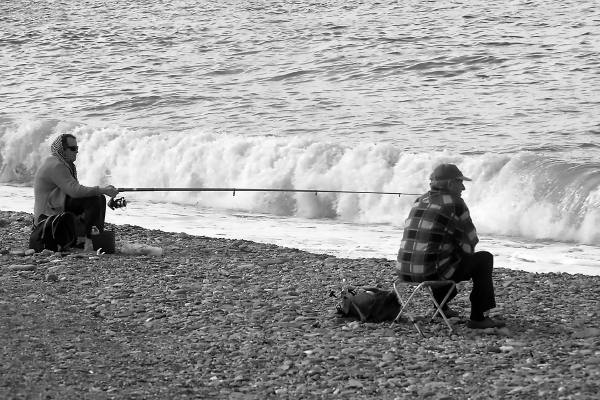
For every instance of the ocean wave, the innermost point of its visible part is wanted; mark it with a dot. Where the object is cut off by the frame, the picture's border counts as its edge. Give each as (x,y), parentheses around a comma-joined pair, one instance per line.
(526,194)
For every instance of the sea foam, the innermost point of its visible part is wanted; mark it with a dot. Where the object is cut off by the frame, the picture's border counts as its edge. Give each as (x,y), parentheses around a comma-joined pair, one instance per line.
(522,194)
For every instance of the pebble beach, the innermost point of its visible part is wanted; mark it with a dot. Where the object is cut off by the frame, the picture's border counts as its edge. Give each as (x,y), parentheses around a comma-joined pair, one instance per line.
(215,318)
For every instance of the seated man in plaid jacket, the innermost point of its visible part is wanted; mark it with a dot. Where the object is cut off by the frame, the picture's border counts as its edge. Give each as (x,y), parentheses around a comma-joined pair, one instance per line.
(439,243)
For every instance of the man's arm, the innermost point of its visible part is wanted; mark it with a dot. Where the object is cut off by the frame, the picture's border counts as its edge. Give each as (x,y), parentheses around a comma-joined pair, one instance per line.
(465,232)
(62,177)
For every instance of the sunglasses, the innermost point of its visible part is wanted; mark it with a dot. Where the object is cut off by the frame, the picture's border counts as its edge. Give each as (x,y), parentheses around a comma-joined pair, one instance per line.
(72,148)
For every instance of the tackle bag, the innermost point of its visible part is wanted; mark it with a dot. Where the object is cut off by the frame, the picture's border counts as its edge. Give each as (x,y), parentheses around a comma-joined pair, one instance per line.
(56,233)
(370,304)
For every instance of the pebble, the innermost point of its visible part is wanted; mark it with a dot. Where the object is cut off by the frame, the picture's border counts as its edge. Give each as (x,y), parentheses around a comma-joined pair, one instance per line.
(494,349)
(353,383)
(592,360)
(77,255)
(587,333)
(21,267)
(504,331)
(434,387)
(352,326)
(274,261)
(516,390)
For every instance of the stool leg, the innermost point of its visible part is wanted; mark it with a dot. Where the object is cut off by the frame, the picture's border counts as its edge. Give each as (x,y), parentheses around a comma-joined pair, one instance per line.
(403,307)
(440,305)
(444,300)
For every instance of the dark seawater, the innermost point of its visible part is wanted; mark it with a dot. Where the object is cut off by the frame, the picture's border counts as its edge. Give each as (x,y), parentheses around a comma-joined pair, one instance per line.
(467,76)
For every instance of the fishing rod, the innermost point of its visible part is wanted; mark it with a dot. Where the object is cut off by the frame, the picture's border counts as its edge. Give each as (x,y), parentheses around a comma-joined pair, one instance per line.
(234,190)
(120,202)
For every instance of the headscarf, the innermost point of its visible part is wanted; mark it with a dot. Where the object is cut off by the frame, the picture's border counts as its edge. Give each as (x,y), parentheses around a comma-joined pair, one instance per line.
(58,151)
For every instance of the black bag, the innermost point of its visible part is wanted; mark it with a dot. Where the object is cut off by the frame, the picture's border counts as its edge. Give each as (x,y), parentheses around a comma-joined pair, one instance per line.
(369,304)
(56,233)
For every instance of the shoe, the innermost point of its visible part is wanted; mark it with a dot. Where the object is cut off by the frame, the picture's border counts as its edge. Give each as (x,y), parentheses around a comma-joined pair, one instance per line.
(450,313)
(485,324)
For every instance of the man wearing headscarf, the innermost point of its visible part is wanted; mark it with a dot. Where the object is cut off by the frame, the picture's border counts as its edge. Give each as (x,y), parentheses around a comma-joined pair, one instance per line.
(439,242)
(56,188)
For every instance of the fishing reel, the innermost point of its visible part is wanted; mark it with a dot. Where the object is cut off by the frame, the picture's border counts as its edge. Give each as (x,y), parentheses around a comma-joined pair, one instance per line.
(117,203)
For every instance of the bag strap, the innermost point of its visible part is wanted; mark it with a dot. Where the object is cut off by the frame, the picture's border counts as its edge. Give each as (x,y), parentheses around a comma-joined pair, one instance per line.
(44,227)
(55,223)
(360,314)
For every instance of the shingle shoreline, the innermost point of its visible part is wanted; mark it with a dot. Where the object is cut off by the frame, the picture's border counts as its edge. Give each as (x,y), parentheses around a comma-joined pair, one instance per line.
(233,319)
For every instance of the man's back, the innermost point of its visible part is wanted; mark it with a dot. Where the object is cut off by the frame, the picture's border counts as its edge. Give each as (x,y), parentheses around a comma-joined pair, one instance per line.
(437,231)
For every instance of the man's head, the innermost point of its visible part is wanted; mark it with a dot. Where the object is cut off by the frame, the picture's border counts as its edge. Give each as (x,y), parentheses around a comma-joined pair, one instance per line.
(69,147)
(448,177)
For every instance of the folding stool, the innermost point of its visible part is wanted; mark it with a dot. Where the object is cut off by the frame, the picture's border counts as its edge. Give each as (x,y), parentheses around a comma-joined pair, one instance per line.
(424,285)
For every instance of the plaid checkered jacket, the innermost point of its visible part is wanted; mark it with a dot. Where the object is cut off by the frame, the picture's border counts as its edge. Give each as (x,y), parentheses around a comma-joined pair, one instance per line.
(437,232)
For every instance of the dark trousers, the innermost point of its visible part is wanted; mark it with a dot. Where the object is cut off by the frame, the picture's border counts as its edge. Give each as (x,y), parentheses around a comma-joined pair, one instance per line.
(92,211)
(477,267)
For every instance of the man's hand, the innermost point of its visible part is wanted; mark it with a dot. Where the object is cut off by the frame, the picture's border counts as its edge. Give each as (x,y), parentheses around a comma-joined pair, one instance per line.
(109,190)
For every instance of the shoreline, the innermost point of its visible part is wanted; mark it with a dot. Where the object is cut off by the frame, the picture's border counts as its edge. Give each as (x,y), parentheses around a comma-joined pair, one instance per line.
(225,318)
(337,238)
